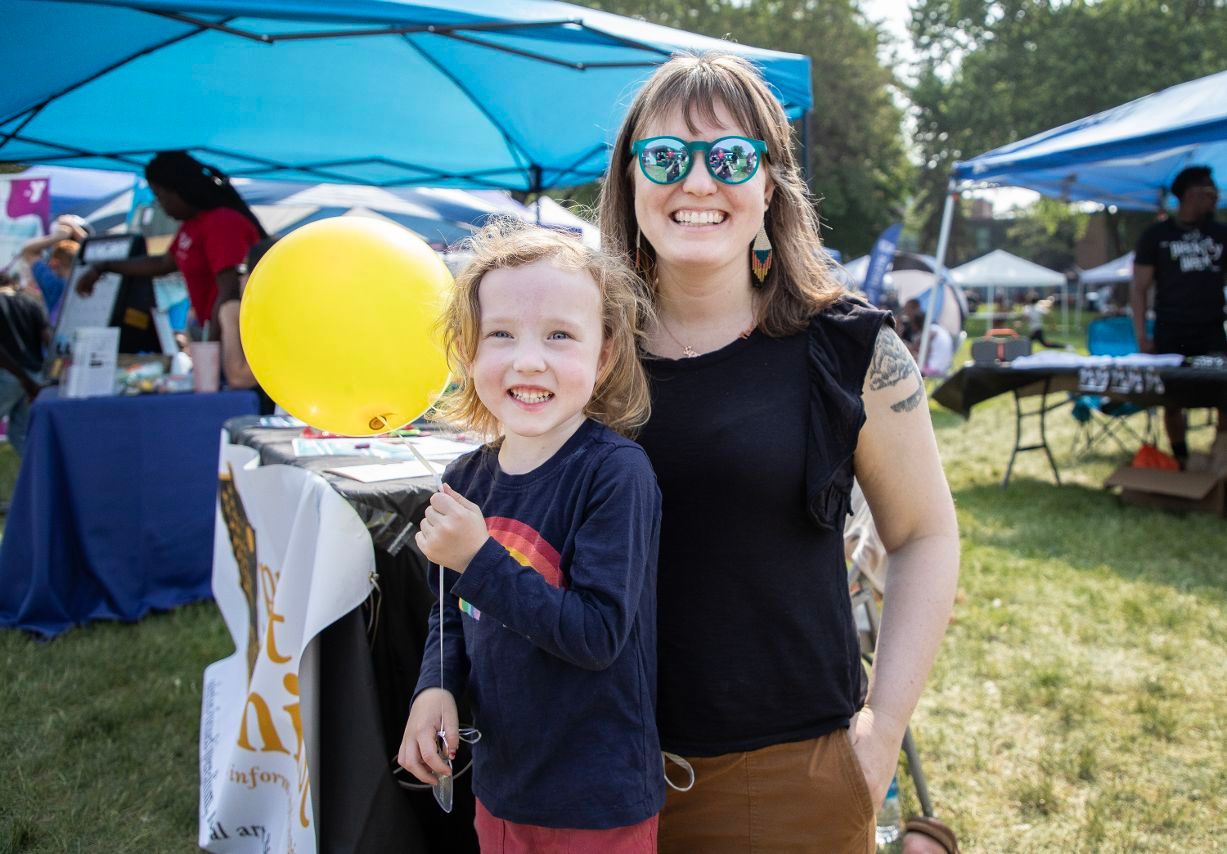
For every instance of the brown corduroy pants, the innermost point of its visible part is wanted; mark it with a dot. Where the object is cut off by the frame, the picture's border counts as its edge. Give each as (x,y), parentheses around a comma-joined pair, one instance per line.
(805,796)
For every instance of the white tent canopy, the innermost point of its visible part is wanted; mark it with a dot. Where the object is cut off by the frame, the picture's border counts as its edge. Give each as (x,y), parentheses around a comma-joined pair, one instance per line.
(1115,271)
(857,268)
(1000,269)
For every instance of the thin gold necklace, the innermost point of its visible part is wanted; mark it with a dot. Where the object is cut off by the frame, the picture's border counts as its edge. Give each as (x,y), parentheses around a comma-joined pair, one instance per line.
(687,351)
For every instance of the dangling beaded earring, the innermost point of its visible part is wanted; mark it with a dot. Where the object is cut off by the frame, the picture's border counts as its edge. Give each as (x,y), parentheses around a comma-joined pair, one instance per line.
(637,259)
(760,256)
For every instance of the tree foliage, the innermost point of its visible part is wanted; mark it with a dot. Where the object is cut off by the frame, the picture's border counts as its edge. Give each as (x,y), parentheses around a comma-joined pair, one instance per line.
(994,71)
(858,166)
(1046,234)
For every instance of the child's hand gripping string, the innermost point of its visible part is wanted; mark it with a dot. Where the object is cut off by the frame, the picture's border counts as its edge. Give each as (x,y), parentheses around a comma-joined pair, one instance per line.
(452,531)
(433,712)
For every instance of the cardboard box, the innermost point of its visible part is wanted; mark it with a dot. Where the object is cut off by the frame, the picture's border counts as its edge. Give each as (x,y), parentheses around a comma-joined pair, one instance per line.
(1201,491)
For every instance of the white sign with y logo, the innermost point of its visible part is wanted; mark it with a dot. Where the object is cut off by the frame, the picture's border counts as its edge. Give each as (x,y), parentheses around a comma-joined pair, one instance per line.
(290,557)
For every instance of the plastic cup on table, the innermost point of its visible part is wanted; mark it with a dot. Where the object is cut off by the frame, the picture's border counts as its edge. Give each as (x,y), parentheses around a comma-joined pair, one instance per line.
(206,365)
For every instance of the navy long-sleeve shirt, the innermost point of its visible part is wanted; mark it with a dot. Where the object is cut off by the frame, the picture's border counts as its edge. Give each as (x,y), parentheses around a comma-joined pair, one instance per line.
(553,628)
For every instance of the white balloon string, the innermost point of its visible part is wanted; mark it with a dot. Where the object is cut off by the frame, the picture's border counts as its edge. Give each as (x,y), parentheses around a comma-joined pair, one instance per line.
(430,467)
(441,727)
(434,471)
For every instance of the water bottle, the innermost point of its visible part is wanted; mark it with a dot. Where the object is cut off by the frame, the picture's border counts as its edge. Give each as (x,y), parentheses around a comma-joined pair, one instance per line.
(890,821)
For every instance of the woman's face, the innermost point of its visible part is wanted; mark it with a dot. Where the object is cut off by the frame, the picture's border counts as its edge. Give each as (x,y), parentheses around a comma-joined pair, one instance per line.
(172,203)
(700,225)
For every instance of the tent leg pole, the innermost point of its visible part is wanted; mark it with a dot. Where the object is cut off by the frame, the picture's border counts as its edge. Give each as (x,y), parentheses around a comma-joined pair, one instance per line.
(1078,305)
(939,271)
(537,190)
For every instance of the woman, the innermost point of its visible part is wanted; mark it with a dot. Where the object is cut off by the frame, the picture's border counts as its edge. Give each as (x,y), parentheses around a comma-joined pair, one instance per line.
(217,231)
(770,390)
(235,369)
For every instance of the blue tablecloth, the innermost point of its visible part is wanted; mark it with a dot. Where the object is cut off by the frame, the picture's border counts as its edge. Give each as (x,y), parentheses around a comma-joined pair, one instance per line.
(113,510)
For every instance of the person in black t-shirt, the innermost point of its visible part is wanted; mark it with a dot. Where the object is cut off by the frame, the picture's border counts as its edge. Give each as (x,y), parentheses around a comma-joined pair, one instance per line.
(1181,257)
(771,389)
(23,332)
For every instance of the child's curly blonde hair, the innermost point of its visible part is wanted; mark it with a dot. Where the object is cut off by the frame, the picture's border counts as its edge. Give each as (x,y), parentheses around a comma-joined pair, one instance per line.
(620,398)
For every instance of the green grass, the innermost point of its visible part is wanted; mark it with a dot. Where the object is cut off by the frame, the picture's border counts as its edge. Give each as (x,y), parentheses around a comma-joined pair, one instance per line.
(9,465)
(98,734)
(1076,706)
(1077,703)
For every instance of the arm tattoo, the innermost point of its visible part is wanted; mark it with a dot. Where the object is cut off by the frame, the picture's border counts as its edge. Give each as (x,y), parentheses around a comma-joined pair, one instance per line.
(891,365)
(909,403)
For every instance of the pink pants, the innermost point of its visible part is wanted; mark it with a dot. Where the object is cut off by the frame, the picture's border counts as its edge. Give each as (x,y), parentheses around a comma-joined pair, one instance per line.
(505,837)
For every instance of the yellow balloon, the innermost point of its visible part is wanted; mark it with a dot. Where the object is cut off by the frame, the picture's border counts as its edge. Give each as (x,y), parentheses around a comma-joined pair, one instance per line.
(339,324)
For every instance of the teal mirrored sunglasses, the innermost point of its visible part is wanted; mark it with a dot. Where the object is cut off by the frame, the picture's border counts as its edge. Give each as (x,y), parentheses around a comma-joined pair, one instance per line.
(667,159)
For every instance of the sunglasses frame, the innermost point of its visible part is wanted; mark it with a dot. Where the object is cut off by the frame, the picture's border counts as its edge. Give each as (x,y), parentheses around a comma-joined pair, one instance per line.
(698,146)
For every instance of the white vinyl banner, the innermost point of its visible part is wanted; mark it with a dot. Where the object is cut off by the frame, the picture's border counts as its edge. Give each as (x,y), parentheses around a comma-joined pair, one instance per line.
(290,557)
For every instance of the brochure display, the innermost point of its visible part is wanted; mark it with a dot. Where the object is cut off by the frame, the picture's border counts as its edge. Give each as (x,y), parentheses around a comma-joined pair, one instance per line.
(95,352)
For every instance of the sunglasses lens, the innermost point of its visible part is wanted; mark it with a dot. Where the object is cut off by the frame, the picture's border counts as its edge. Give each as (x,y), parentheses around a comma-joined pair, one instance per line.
(664,161)
(733,160)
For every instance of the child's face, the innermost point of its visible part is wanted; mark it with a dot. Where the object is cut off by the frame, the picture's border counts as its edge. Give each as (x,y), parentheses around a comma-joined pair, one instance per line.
(540,349)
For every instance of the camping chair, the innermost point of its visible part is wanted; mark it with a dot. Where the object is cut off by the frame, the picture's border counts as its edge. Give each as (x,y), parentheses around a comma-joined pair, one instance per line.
(1099,417)
(866,558)
(1113,336)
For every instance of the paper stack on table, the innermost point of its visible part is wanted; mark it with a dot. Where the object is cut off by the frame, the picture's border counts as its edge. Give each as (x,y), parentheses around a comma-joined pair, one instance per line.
(403,462)
(431,447)
(375,472)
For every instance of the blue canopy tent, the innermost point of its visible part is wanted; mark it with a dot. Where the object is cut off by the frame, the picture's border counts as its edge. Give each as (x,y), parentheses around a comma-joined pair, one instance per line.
(1126,156)
(520,95)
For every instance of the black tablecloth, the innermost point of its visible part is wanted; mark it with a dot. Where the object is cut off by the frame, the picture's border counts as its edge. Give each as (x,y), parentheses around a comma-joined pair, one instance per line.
(1184,387)
(367,677)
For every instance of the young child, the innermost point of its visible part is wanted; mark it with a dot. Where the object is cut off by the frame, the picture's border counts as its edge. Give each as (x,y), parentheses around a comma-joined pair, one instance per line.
(549,535)
(1034,313)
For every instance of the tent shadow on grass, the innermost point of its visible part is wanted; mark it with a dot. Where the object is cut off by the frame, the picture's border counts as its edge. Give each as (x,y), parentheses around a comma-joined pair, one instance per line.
(1088,529)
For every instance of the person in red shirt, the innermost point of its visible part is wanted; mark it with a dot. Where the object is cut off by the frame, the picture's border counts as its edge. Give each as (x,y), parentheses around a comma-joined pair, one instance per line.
(218,230)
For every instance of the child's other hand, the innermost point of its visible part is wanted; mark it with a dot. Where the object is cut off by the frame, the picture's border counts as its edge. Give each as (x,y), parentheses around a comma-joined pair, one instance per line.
(433,710)
(452,531)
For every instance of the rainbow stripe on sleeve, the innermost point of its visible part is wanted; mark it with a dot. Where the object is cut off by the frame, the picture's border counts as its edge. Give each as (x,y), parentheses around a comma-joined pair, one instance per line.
(528,548)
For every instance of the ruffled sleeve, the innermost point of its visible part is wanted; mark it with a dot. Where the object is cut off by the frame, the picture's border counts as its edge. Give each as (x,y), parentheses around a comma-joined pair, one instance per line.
(841,344)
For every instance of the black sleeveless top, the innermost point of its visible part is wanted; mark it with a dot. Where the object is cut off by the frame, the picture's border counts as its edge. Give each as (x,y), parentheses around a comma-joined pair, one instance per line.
(752,446)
